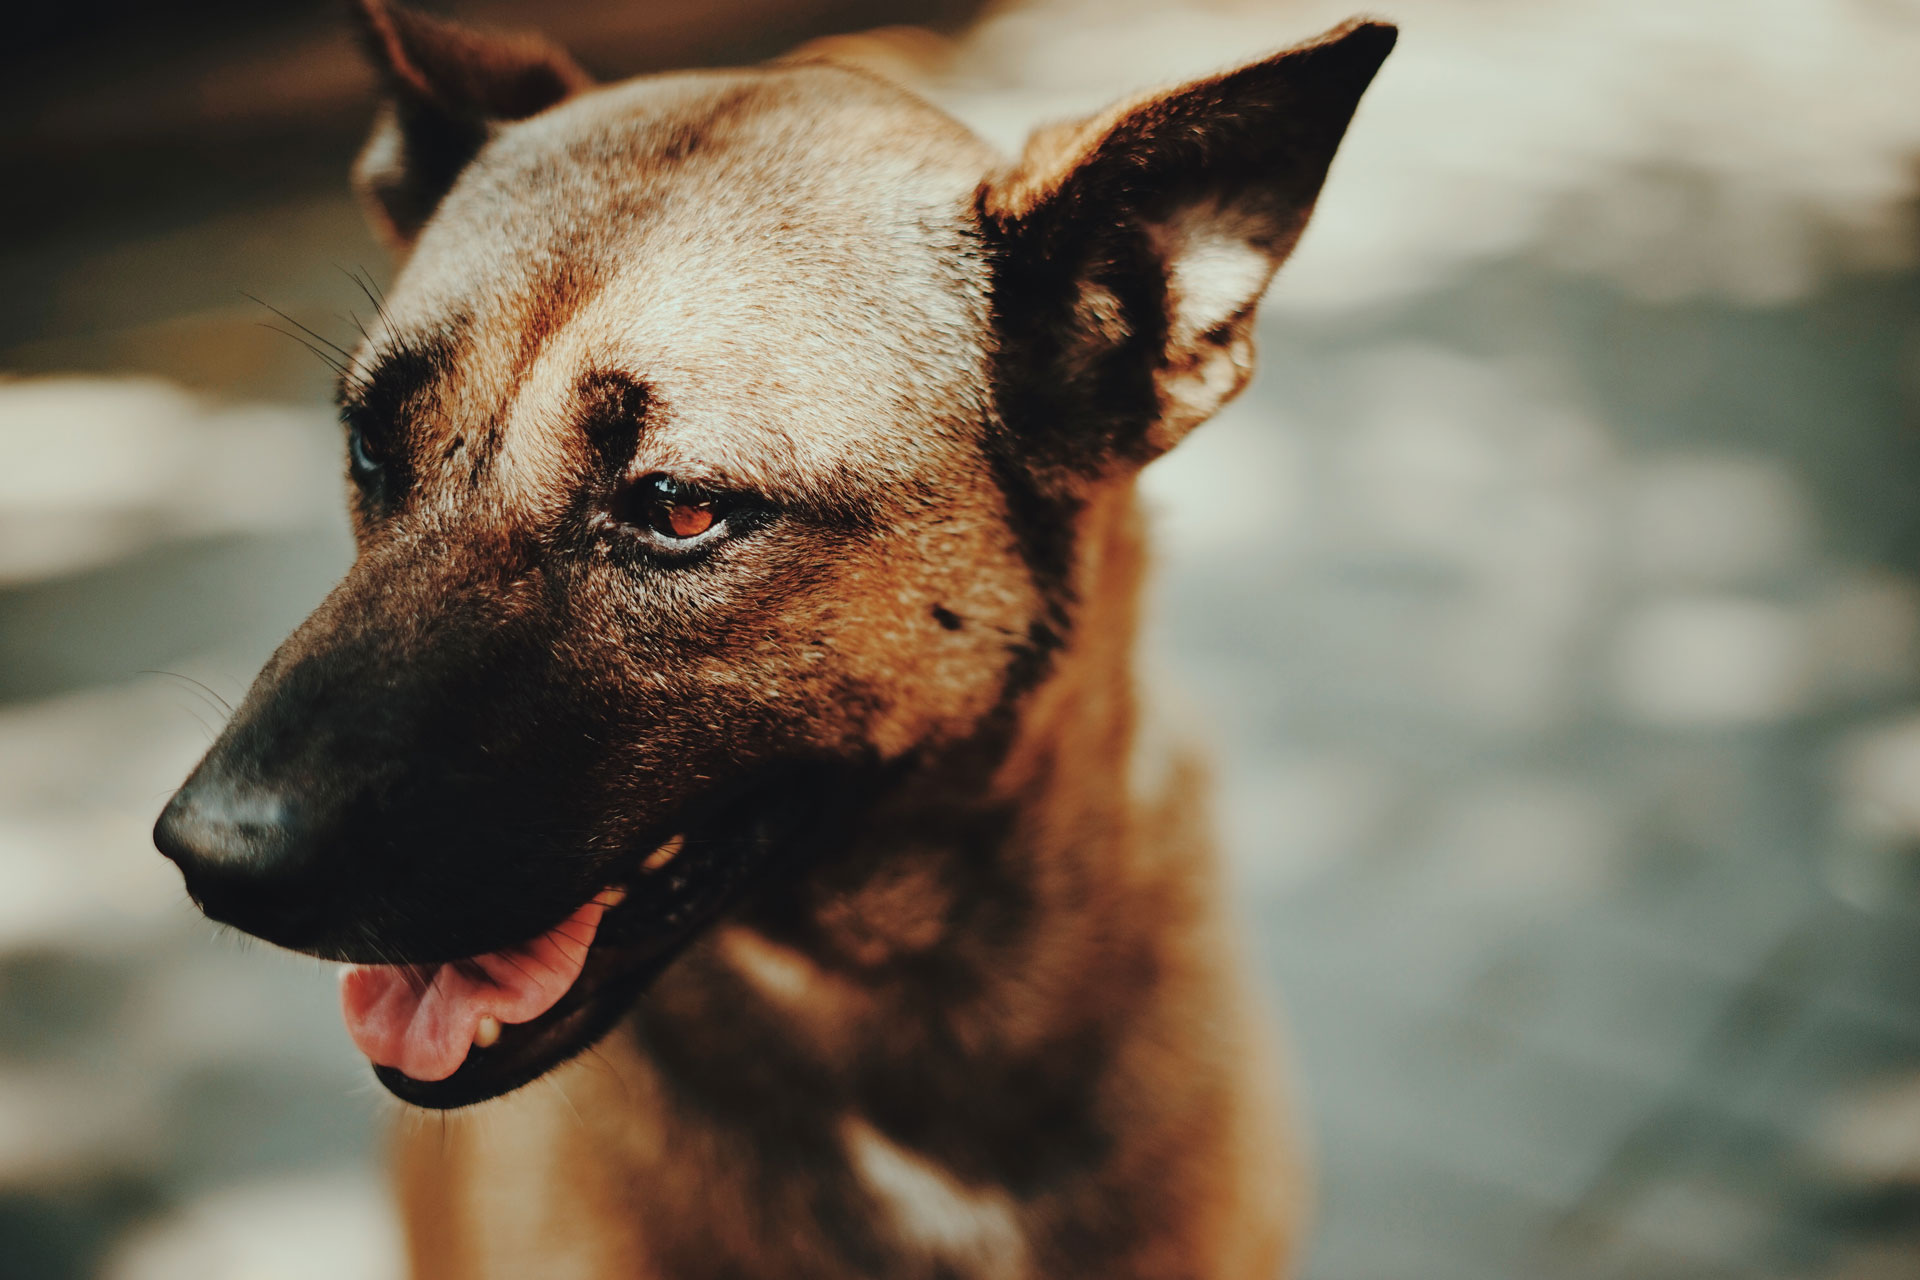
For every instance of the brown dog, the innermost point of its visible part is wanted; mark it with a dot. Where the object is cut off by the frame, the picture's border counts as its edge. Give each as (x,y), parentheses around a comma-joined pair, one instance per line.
(744,484)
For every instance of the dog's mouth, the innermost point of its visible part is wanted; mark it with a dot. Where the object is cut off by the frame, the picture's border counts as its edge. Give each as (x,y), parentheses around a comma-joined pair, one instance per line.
(444,1035)
(424,1020)
(453,1034)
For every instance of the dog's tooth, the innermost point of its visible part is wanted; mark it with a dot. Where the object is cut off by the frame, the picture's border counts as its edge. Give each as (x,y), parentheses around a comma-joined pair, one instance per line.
(487,1034)
(664,854)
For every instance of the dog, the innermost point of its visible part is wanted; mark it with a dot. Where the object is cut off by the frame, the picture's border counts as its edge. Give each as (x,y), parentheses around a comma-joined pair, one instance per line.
(729,716)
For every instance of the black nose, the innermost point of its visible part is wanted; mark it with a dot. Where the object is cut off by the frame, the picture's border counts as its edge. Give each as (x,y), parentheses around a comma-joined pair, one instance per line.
(240,848)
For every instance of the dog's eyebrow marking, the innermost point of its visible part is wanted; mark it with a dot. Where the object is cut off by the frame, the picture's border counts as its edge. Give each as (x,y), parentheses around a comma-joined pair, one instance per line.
(933,1211)
(388,380)
(609,396)
(612,408)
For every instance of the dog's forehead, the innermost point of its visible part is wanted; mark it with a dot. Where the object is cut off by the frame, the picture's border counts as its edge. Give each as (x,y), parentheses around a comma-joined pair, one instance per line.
(785,260)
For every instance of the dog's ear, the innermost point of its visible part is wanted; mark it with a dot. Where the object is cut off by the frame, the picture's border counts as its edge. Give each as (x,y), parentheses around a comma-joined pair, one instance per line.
(1132,247)
(445,86)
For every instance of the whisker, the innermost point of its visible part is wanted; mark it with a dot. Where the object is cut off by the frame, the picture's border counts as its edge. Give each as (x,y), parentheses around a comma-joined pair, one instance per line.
(207,728)
(225,706)
(317,337)
(379,295)
(363,281)
(359,284)
(345,374)
(202,700)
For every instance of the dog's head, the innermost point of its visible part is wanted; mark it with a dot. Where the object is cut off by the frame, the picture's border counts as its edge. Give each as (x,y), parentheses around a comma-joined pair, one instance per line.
(718,457)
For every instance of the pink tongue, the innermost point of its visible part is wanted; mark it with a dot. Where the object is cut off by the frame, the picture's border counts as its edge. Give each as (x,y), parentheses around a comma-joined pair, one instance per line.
(421,1019)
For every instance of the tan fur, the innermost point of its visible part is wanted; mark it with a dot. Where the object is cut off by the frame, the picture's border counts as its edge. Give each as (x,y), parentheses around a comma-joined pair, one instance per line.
(938,981)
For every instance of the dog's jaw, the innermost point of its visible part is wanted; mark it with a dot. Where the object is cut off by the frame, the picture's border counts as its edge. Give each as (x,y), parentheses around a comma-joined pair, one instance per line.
(670,891)
(453,1035)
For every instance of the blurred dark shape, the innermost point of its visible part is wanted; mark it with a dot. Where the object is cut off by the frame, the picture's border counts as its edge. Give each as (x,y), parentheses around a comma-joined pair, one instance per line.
(121,110)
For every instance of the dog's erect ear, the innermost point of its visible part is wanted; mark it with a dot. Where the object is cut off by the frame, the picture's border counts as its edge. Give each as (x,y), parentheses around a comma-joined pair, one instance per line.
(446,84)
(1133,246)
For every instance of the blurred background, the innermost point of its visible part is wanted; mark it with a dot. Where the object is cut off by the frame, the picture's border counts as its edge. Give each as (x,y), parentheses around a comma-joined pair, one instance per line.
(1553,598)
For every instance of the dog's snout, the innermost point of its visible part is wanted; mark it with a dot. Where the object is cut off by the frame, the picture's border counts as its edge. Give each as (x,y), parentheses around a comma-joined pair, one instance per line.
(240,851)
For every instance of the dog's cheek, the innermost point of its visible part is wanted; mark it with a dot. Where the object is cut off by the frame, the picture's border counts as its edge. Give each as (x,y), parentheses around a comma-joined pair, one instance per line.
(929,620)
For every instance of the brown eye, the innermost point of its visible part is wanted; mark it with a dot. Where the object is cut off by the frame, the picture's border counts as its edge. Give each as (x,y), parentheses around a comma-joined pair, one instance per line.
(683,520)
(677,511)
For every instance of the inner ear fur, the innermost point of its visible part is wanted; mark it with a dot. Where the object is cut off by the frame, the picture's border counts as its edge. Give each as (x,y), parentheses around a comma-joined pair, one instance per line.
(1132,247)
(446,85)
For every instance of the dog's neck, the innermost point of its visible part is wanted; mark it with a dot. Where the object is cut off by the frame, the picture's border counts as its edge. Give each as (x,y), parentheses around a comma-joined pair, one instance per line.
(1003,1005)
(971,926)
(1069,752)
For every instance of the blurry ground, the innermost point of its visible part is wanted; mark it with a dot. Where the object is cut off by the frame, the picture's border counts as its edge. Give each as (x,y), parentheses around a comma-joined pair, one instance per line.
(1552,596)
